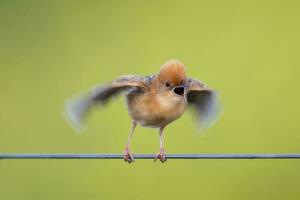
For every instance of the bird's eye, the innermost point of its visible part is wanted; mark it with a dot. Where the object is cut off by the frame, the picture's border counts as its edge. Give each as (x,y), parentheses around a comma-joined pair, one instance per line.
(167,84)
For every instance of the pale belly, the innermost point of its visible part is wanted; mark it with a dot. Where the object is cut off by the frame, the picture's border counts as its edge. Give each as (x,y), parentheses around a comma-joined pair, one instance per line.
(155,111)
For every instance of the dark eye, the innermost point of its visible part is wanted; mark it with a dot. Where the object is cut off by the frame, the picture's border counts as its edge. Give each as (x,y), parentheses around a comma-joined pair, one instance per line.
(167,84)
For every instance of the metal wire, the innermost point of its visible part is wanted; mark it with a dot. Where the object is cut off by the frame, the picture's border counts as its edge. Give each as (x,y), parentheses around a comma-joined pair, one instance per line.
(148,156)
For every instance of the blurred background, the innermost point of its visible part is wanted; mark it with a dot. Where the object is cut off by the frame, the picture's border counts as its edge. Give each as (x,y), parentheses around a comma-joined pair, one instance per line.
(247,50)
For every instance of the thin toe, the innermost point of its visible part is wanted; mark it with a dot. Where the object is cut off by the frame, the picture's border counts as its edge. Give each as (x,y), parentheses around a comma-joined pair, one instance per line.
(128,158)
(161,157)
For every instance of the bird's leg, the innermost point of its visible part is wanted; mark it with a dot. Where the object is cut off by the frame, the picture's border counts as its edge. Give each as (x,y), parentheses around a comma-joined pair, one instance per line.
(161,155)
(127,154)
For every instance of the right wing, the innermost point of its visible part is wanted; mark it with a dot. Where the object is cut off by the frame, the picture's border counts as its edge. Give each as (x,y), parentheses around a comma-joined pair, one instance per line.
(102,94)
(76,109)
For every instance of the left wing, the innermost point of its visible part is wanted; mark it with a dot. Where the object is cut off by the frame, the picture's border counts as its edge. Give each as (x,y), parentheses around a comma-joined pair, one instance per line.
(204,100)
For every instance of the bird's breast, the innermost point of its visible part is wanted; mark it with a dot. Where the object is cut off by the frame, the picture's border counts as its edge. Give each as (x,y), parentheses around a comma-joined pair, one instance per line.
(154,110)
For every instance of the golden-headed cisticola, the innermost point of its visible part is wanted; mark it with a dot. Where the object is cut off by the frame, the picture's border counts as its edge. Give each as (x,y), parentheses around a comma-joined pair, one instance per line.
(152,101)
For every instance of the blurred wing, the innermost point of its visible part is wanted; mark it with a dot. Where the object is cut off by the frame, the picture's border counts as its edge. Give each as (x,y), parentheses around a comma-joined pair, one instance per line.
(205,103)
(77,108)
(102,94)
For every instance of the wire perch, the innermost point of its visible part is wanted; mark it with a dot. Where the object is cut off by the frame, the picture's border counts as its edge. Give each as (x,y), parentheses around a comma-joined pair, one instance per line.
(148,156)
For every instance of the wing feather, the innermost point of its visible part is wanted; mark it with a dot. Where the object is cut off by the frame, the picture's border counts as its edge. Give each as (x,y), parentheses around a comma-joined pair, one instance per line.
(205,102)
(101,94)
(77,108)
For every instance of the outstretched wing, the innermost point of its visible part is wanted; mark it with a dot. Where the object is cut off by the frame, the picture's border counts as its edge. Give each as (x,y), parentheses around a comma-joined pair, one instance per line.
(77,108)
(101,94)
(204,101)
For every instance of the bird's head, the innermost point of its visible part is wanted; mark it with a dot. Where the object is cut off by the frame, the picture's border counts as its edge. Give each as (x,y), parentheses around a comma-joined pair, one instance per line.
(171,79)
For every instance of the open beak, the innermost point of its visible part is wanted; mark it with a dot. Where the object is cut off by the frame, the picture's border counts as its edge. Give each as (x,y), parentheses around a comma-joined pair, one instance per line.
(179,90)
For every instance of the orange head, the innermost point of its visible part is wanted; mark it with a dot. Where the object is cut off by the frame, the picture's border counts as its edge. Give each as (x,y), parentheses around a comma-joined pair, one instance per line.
(171,79)
(172,72)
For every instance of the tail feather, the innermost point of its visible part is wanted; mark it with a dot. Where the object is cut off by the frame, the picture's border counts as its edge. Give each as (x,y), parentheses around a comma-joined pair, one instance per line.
(76,110)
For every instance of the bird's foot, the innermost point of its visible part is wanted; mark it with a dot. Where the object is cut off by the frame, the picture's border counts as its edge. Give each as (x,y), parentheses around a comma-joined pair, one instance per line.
(161,156)
(128,156)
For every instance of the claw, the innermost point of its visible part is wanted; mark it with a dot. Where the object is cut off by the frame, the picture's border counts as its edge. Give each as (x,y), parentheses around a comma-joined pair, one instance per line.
(128,156)
(161,156)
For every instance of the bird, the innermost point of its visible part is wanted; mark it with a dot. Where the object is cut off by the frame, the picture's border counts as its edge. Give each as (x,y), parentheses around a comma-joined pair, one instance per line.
(152,101)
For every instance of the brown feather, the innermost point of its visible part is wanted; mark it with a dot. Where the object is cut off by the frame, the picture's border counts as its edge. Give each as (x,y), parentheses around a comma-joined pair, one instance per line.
(172,71)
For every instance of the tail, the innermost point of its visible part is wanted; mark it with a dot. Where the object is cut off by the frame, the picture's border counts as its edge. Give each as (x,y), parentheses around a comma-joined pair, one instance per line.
(76,110)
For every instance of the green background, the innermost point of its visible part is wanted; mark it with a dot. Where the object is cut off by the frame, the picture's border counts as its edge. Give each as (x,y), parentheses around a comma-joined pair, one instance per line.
(247,50)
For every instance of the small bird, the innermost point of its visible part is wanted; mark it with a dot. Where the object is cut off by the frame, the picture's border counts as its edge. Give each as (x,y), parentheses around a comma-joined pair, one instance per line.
(152,101)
